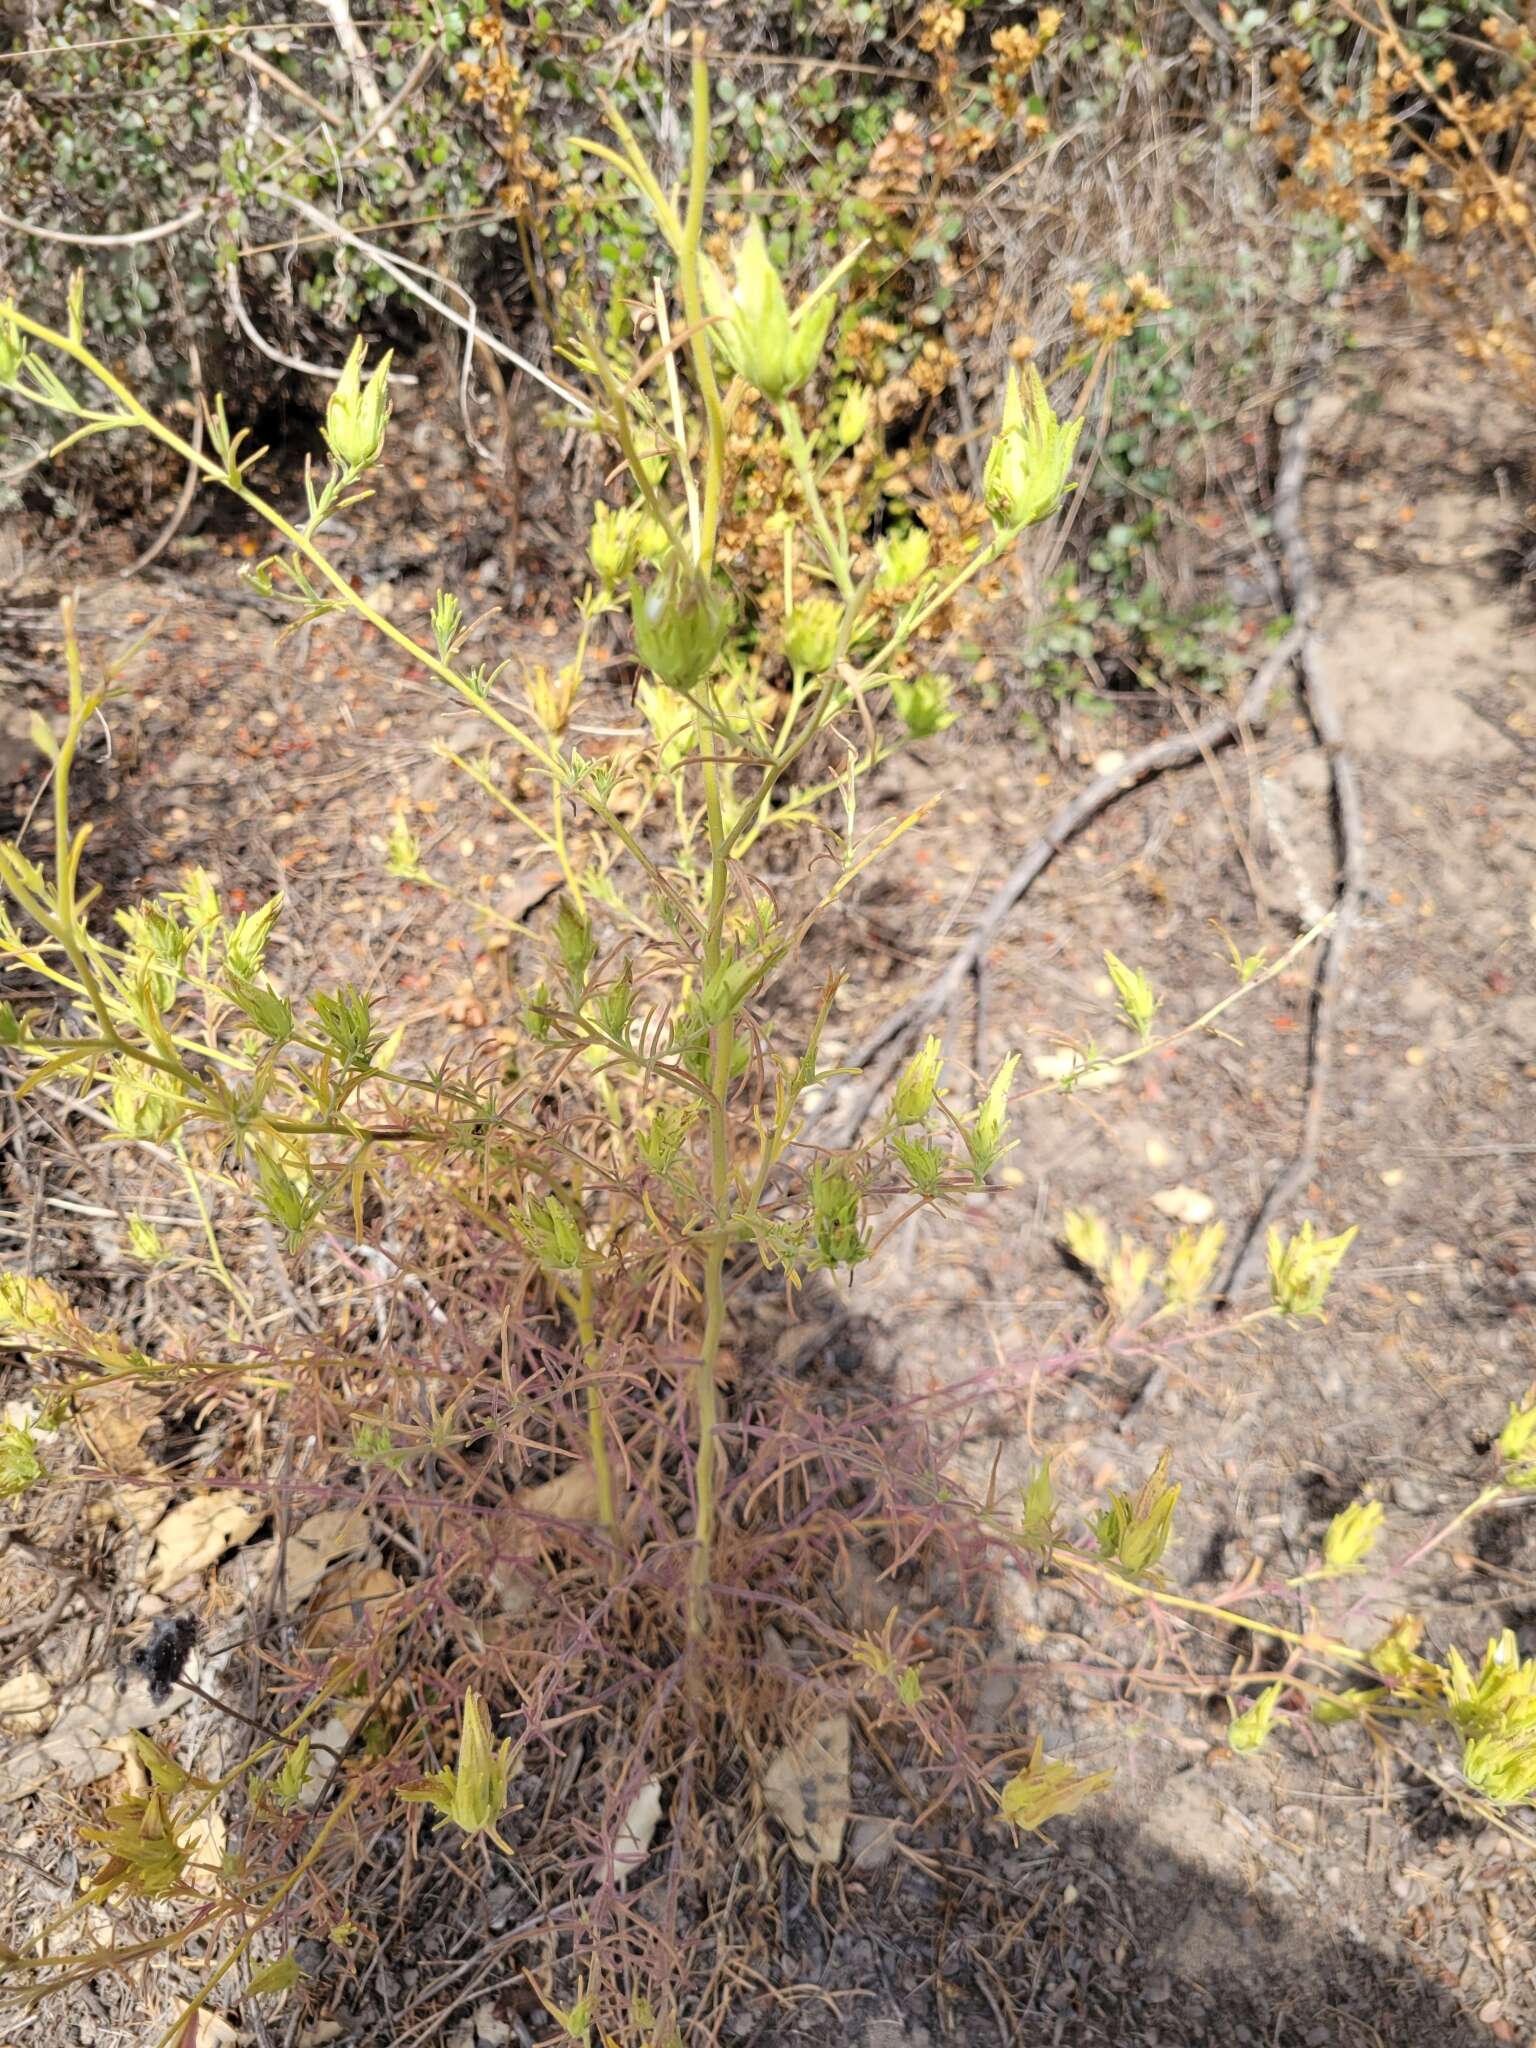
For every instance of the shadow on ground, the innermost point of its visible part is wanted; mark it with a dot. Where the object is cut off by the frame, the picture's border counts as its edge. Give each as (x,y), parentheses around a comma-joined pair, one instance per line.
(1110,1941)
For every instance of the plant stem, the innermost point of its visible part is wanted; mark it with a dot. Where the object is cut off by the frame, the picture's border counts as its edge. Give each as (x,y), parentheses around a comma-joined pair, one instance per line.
(236,1292)
(693,306)
(810,490)
(721,1039)
(135,414)
(597,1425)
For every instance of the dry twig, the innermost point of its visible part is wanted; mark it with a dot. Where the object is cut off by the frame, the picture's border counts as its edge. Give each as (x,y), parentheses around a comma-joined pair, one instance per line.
(883,1047)
(183,505)
(1348,840)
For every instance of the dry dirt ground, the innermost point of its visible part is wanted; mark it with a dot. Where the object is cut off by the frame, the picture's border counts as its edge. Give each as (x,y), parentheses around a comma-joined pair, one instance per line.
(1309,1895)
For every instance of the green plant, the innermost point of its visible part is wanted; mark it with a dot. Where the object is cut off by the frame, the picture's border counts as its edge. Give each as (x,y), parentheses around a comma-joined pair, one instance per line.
(678,1159)
(1108,626)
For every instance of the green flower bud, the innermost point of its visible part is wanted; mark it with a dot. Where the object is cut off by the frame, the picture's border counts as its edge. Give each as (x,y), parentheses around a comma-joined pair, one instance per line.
(574,938)
(1192,1264)
(141,1107)
(1139,1001)
(145,1242)
(923,705)
(1502,1767)
(553,1235)
(1044,1790)
(245,947)
(918,1083)
(291,1204)
(662,1144)
(1301,1271)
(1250,1729)
(357,414)
(346,1019)
(20,1466)
(447,620)
(854,417)
(1086,1237)
(1027,470)
(1037,1511)
(612,545)
(1517,1445)
(903,557)
(1502,1695)
(1133,1530)
(773,349)
(651,539)
(30,1308)
(1351,1535)
(811,635)
(13,347)
(1126,1281)
(614,1007)
(473,1795)
(275,1977)
(924,1162)
(271,1013)
(403,854)
(724,991)
(538,1014)
(287,1785)
(1396,1655)
(984,1139)
(681,623)
(835,1215)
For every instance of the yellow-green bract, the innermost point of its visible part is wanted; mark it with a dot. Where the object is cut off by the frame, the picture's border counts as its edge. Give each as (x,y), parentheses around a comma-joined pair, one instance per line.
(473,1795)
(357,413)
(1030,462)
(774,350)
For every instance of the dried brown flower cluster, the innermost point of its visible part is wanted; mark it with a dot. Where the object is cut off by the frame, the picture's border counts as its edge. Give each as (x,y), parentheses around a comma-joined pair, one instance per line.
(1434,174)
(494,80)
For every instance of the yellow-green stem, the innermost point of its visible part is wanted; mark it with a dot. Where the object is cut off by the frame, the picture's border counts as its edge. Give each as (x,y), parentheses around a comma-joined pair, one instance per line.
(693,306)
(135,414)
(227,1280)
(810,490)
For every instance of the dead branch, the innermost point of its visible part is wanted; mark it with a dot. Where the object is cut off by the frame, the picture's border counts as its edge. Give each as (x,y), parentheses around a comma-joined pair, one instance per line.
(1348,841)
(416,77)
(398,267)
(131,239)
(172,526)
(923,1009)
(360,65)
(274,354)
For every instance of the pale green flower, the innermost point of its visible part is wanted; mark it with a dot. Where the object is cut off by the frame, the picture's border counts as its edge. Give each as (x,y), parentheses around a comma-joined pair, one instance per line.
(1134,1529)
(918,1083)
(1044,1790)
(1301,1271)
(1250,1729)
(473,1795)
(681,623)
(1030,462)
(357,413)
(811,635)
(1352,1534)
(771,348)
